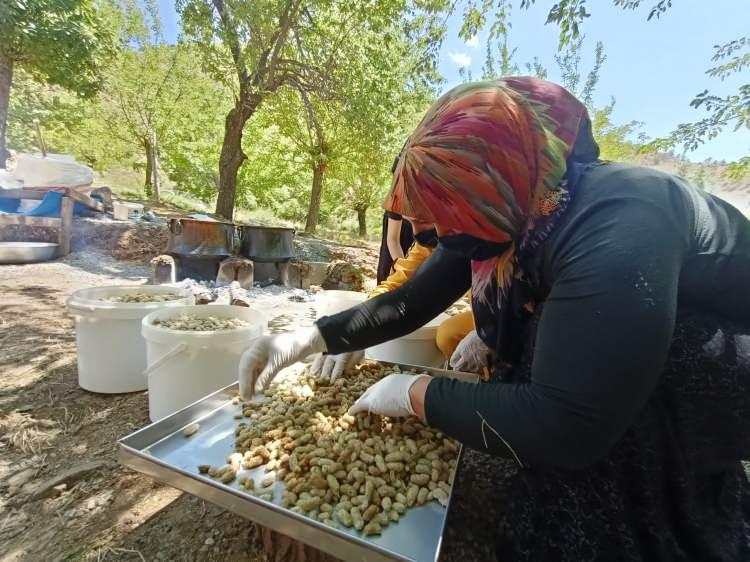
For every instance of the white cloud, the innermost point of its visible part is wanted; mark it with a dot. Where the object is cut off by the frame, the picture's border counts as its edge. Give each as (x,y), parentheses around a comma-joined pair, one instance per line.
(473,42)
(461,59)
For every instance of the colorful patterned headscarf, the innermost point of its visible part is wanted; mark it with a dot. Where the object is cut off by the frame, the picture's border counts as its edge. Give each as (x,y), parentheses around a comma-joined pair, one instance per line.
(489,159)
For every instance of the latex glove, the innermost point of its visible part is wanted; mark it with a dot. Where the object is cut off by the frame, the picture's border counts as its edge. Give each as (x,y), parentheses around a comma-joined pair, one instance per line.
(331,367)
(266,356)
(470,355)
(387,397)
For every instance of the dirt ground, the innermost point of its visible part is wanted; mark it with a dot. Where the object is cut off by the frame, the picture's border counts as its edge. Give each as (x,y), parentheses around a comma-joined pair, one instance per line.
(63,495)
(51,429)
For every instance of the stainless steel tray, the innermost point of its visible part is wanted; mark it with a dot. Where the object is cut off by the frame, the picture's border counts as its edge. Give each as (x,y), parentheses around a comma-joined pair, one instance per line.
(161,451)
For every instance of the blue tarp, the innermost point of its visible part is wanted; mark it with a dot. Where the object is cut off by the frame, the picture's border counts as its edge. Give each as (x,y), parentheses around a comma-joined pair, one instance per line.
(50,206)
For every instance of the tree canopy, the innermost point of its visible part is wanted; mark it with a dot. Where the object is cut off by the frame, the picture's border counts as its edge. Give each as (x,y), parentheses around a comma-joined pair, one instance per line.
(289,108)
(61,42)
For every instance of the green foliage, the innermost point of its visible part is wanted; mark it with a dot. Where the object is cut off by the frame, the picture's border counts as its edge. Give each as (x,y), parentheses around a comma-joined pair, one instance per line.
(348,132)
(682,169)
(699,179)
(615,141)
(259,48)
(569,60)
(190,145)
(732,111)
(63,42)
(276,175)
(331,88)
(656,10)
(740,169)
(569,15)
(535,68)
(153,92)
(60,111)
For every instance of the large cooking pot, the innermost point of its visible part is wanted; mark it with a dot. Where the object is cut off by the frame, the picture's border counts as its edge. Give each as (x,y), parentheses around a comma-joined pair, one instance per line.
(266,243)
(188,237)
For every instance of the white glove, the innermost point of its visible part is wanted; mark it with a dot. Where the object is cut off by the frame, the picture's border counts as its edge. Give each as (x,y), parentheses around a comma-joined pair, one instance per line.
(470,355)
(268,355)
(387,397)
(330,367)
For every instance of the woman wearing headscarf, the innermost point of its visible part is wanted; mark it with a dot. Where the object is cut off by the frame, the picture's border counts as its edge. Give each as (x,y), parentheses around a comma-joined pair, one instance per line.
(615,300)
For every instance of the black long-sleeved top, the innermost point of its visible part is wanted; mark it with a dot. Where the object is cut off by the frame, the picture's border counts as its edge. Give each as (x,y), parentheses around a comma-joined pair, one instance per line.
(632,244)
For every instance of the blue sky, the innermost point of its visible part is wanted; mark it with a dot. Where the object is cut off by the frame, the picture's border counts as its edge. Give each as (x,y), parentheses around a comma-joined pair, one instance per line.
(653,69)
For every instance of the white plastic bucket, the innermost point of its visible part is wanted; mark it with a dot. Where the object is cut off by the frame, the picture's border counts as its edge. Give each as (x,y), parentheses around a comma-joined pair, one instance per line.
(111,351)
(333,302)
(126,211)
(417,348)
(184,366)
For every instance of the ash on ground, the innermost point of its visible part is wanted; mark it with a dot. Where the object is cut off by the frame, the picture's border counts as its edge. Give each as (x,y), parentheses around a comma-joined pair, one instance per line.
(285,308)
(270,296)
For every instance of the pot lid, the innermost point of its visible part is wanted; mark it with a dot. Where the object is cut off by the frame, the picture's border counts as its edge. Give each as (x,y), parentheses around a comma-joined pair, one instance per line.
(263,227)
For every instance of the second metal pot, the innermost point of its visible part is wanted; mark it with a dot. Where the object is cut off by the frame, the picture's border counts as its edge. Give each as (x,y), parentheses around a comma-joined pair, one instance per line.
(266,243)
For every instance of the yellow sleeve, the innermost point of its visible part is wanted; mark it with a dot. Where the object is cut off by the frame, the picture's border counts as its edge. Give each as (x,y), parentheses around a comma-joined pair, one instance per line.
(403,269)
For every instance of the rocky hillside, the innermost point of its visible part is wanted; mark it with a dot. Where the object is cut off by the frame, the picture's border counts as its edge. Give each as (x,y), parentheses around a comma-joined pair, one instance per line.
(710,175)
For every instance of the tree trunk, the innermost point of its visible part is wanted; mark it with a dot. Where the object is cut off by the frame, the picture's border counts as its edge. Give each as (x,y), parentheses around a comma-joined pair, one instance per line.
(155,166)
(362,219)
(148,187)
(6,79)
(232,155)
(313,213)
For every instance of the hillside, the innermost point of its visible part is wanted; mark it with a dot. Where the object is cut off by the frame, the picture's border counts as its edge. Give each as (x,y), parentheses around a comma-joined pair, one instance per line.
(712,175)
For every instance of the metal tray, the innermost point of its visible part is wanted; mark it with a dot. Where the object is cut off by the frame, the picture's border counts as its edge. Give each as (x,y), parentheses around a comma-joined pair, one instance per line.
(161,451)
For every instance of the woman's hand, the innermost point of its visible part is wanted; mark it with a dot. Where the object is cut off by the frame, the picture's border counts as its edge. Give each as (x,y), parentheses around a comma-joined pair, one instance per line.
(266,356)
(470,355)
(331,367)
(396,395)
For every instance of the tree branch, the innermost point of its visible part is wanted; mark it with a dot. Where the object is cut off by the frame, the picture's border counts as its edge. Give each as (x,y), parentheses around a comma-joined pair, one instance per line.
(232,41)
(285,25)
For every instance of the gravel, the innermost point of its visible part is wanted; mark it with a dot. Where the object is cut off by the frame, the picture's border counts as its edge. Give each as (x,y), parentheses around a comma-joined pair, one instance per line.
(79,270)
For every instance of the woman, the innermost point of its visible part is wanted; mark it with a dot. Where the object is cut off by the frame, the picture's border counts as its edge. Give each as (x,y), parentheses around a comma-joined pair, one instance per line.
(616,301)
(396,241)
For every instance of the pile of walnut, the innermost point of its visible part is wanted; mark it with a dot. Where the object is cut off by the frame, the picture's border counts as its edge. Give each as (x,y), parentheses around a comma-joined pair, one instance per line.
(186,322)
(362,472)
(132,298)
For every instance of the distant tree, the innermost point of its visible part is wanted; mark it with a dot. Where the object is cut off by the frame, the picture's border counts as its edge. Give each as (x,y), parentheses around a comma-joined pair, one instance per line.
(615,141)
(699,178)
(724,112)
(682,168)
(732,111)
(569,61)
(361,127)
(249,46)
(149,91)
(259,47)
(739,169)
(62,42)
(535,68)
(60,111)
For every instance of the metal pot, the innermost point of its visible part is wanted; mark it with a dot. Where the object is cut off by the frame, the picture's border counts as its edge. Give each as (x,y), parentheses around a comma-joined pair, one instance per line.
(266,243)
(189,237)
